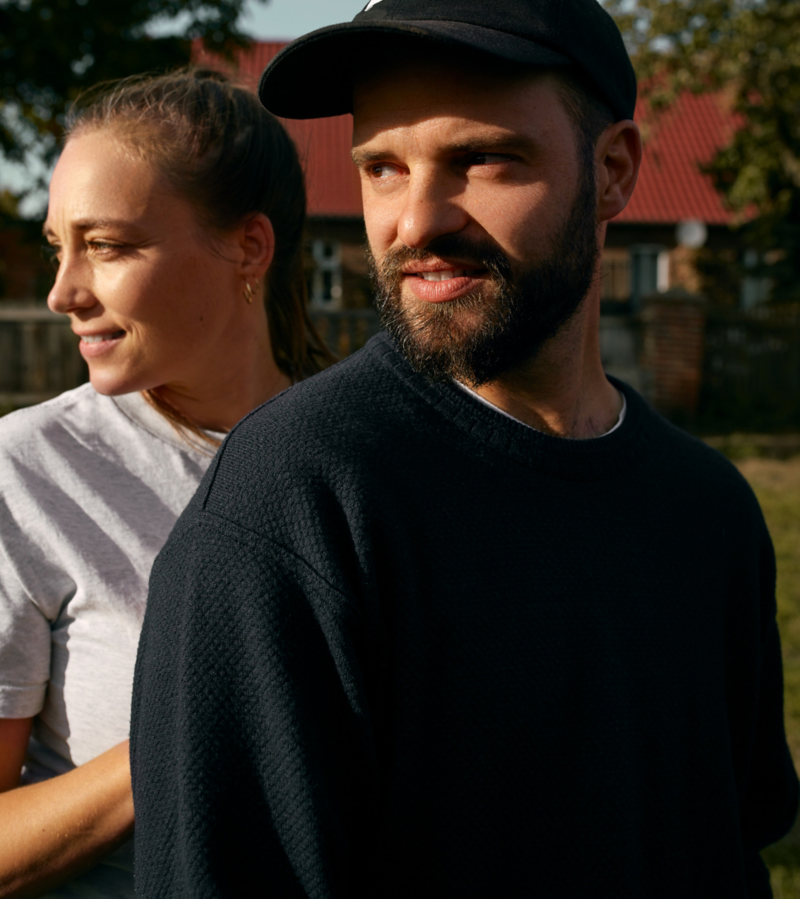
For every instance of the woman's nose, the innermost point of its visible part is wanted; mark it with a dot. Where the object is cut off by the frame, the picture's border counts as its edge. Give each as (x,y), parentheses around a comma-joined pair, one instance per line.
(69,291)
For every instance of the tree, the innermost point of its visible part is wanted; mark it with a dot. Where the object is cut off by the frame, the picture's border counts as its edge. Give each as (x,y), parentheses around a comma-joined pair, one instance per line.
(51,49)
(749,49)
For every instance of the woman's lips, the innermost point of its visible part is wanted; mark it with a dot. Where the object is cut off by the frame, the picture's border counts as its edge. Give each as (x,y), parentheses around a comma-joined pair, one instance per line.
(444,284)
(93,345)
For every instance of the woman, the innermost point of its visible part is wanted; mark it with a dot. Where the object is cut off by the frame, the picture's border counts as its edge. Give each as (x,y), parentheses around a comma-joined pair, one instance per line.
(176,215)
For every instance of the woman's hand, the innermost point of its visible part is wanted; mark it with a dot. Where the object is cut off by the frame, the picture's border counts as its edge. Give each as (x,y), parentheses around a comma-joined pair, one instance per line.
(52,831)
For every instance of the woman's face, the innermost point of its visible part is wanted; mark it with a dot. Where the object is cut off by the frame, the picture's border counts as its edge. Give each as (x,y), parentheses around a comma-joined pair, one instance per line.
(152,296)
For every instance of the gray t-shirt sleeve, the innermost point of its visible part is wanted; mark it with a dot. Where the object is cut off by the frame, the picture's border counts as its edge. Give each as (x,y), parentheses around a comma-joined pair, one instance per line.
(24,647)
(90,487)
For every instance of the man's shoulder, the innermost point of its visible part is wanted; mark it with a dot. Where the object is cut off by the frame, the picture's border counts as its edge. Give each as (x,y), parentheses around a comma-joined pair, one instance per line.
(315,436)
(707,479)
(295,471)
(352,395)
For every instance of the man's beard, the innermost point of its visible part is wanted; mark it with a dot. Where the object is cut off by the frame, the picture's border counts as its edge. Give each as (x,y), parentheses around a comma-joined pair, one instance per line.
(478,337)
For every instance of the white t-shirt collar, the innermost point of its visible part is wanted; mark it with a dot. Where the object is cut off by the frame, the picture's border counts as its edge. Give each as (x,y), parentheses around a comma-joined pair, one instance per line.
(486,402)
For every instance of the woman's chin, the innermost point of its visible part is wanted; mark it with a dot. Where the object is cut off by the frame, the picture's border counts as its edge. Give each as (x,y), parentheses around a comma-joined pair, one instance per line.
(114,384)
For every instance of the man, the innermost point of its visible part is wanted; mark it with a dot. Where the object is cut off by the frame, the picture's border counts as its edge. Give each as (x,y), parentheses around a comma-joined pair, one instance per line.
(461,616)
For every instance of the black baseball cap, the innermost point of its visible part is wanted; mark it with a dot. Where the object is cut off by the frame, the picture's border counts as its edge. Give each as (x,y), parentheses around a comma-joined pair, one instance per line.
(312,77)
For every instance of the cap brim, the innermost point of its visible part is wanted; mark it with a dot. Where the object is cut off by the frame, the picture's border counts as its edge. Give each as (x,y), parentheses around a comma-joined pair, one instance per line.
(313,76)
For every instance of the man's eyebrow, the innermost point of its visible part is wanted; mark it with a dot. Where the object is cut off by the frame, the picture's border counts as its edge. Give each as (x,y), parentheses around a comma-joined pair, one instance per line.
(363,157)
(474,144)
(495,142)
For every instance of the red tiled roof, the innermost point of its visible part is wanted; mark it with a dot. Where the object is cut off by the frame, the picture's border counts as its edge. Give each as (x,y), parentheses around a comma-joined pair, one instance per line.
(332,182)
(671,187)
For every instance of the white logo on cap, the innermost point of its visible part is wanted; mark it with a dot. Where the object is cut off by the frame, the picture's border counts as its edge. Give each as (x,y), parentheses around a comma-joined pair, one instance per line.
(371,4)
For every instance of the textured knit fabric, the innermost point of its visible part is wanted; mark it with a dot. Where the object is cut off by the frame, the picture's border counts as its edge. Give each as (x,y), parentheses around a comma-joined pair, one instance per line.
(90,487)
(400,645)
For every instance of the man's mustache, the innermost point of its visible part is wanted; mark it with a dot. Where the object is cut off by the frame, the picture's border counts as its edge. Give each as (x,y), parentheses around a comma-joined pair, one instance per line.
(482,254)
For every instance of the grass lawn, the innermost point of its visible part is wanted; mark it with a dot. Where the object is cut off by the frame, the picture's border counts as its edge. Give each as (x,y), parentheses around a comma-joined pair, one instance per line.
(777,485)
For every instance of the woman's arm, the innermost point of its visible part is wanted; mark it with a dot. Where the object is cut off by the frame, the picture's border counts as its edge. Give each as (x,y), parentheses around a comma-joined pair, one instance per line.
(52,831)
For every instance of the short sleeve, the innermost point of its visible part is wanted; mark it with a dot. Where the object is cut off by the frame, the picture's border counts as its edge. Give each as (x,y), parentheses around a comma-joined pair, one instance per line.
(24,647)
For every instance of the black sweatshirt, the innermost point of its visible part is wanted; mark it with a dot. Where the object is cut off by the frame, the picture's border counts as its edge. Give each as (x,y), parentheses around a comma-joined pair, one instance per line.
(400,645)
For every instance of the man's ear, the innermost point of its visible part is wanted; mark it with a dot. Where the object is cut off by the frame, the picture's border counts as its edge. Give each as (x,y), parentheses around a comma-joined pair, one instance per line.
(618,158)
(257,241)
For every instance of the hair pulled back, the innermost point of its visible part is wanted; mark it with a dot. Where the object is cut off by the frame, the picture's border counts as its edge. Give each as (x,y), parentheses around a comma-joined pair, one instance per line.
(220,150)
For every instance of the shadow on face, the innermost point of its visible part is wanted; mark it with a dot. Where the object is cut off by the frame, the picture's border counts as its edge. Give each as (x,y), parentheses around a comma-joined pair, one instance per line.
(480,210)
(410,80)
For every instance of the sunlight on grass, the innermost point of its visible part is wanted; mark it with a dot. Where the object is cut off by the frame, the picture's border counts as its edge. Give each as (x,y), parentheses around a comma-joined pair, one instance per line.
(777,485)
(785,881)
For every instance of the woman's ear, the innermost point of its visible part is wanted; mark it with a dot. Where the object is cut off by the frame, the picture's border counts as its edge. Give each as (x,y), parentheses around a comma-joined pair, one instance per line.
(257,240)
(618,158)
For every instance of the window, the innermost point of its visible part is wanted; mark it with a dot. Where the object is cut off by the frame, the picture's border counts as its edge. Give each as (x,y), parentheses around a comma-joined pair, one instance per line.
(326,275)
(649,271)
(755,291)
(616,275)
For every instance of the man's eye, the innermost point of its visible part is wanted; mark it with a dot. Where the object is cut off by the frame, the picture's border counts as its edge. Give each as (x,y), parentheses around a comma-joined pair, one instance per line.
(488,158)
(383,170)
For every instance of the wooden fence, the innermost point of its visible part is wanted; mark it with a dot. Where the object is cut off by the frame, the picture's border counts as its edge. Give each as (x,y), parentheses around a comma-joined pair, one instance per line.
(39,355)
(621,351)
(348,330)
(751,371)
(750,377)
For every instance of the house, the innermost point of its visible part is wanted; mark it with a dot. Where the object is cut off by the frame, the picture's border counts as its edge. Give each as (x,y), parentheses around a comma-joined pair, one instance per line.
(660,244)
(651,247)
(675,210)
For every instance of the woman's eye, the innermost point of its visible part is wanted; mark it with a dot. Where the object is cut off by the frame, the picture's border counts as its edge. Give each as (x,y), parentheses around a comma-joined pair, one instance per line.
(103,247)
(52,254)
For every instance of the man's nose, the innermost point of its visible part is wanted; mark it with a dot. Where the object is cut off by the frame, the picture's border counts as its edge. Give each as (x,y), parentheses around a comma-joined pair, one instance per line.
(432,207)
(70,290)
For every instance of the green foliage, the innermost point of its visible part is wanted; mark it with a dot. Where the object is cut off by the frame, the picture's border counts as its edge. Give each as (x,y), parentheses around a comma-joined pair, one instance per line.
(750,50)
(8,205)
(52,49)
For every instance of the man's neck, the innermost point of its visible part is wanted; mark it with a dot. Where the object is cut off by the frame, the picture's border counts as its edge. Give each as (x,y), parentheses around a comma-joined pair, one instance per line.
(563,391)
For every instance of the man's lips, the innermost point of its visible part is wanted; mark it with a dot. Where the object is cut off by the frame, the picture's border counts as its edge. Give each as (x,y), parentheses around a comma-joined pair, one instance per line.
(445,275)
(440,282)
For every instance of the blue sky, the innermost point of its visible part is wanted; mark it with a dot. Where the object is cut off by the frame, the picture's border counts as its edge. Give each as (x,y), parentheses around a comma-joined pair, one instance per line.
(291,18)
